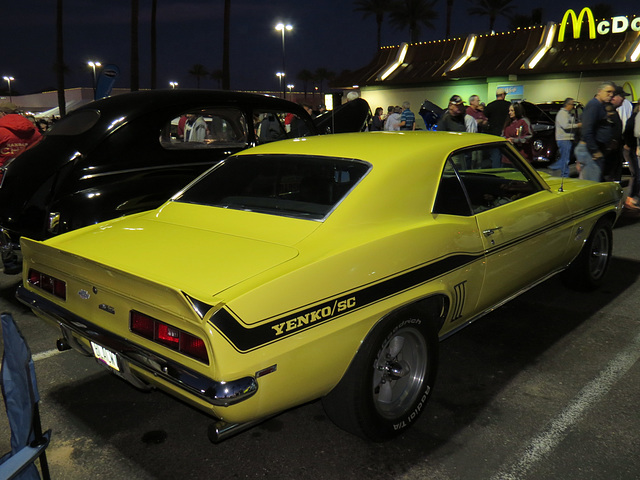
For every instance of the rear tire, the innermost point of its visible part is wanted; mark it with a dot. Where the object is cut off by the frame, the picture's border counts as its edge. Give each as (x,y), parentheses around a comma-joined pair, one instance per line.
(588,270)
(390,380)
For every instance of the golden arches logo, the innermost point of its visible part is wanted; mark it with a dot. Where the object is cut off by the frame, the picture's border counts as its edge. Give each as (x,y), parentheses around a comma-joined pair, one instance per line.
(577,23)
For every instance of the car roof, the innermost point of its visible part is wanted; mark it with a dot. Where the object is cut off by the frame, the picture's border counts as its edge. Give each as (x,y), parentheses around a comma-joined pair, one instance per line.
(136,103)
(379,148)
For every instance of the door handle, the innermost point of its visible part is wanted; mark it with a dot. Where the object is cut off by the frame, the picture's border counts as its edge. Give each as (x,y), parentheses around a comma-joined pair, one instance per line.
(490,231)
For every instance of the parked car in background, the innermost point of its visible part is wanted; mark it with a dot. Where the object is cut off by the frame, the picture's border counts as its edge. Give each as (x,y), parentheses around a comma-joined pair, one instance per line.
(321,267)
(542,117)
(131,152)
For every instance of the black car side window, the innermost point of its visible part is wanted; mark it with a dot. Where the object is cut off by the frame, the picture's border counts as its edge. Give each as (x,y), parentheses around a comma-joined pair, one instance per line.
(205,129)
(278,125)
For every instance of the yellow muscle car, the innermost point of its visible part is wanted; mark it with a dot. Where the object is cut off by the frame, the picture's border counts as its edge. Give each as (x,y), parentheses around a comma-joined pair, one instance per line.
(319,267)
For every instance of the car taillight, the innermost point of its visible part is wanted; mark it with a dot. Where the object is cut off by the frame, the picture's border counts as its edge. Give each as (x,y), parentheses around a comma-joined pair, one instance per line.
(171,337)
(47,283)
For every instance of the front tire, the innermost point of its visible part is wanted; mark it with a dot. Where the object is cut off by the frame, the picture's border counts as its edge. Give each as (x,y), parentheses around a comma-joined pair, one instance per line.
(390,380)
(588,270)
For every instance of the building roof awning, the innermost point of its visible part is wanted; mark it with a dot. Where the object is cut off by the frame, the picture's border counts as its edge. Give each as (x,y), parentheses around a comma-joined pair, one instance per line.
(501,54)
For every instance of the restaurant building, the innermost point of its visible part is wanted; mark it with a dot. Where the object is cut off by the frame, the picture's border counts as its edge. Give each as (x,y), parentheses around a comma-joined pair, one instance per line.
(538,64)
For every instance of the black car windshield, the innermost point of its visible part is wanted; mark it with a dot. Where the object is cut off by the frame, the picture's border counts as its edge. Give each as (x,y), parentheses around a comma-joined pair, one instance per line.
(289,185)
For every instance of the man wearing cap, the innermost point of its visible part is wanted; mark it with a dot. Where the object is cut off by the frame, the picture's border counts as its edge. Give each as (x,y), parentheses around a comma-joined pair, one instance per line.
(623,106)
(618,116)
(566,129)
(497,113)
(16,132)
(455,119)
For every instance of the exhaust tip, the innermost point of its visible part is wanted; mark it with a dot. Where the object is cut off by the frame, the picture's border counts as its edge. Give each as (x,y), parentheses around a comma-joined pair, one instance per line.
(62,345)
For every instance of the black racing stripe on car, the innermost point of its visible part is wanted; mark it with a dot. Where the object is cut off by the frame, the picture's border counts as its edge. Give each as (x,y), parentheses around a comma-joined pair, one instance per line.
(244,338)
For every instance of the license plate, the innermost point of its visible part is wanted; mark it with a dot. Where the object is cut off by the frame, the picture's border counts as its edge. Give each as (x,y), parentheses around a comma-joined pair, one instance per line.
(105,356)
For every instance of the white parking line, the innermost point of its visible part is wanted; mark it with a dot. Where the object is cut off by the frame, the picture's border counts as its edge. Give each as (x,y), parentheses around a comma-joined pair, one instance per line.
(47,354)
(592,393)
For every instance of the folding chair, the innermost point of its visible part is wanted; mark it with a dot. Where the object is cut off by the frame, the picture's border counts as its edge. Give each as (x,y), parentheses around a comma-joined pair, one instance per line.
(20,392)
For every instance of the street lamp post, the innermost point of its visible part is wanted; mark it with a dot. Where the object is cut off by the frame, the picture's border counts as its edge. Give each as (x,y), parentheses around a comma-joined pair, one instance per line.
(9,80)
(93,66)
(282,28)
(290,87)
(280,76)
(173,84)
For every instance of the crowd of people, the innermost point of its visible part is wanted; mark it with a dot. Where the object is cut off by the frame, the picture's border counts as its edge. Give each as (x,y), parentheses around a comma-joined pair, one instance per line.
(604,139)
(608,137)
(397,118)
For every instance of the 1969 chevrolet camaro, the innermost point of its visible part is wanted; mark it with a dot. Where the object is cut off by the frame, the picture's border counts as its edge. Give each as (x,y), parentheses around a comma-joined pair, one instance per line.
(318,267)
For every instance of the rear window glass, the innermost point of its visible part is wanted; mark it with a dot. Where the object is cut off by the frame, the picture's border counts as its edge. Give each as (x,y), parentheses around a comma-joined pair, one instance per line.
(75,123)
(288,185)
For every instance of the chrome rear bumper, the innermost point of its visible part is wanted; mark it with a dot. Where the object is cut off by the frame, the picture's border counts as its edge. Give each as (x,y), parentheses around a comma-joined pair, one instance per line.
(192,382)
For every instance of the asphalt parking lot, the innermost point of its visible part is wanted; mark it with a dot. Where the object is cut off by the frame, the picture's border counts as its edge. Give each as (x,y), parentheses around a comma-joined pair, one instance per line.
(546,387)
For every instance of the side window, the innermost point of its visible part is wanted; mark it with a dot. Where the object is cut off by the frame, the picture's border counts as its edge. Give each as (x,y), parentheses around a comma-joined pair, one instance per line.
(277,125)
(493,176)
(205,128)
(451,198)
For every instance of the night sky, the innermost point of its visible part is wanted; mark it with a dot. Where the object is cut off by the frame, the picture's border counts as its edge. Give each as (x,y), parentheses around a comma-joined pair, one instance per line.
(327,34)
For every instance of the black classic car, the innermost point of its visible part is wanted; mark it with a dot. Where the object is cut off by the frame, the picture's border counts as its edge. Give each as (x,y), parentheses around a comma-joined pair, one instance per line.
(129,153)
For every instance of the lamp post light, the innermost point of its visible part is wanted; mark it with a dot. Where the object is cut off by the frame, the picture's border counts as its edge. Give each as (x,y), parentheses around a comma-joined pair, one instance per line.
(173,84)
(290,87)
(9,80)
(93,66)
(280,76)
(281,27)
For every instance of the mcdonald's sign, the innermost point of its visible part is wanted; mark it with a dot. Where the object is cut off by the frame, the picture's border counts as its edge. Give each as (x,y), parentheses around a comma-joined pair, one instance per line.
(615,25)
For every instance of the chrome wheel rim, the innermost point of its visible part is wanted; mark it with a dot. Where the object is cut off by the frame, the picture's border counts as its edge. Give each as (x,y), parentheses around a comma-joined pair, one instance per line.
(399,372)
(599,254)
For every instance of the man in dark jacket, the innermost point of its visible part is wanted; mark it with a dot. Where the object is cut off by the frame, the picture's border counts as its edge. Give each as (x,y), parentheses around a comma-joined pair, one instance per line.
(453,118)
(497,113)
(597,134)
(16,133)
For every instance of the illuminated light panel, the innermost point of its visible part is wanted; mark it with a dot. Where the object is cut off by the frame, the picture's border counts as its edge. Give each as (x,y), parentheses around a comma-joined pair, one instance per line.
(468,51)
(547,41)
(402,53)
(634,52)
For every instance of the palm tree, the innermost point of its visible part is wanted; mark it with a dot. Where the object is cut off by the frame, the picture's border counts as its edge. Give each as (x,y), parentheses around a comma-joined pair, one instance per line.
(447,32)
(411,14)
(226,70)
(135,59)
(602,10)
(218,75)
(523,21)
(62,104)
(377,8)
(154,56)
(198,71)
(305,76)
(321,75)
(492,9)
